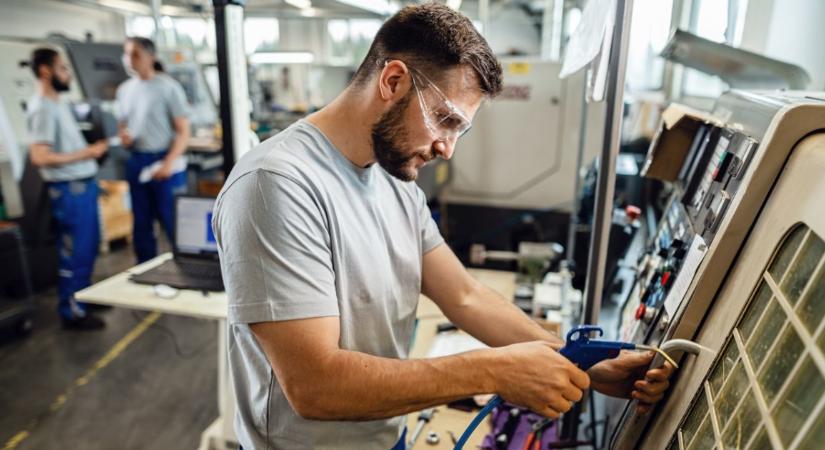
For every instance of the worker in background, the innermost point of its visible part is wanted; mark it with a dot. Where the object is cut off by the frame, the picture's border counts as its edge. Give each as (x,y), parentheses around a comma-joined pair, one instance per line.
(326,243)
(68,166)
(153,124)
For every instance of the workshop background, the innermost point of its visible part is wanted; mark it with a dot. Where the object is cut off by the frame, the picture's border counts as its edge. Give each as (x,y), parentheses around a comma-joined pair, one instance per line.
(705,223)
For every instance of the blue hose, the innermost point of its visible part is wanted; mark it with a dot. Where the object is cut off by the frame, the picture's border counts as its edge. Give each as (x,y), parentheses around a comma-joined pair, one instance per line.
(488,408)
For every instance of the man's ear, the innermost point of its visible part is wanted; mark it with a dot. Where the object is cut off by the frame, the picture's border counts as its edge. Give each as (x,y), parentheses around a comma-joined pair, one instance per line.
(44,71)
(393,80)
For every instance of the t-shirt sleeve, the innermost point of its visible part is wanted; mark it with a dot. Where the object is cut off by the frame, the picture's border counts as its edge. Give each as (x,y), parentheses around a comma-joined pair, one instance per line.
(120,102)
(178,106)
(274,250)
(42,125)
(430,235)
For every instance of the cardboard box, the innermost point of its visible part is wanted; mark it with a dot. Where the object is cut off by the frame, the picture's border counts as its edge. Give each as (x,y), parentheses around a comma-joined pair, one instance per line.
(114,198)
(671,144)
(115,212)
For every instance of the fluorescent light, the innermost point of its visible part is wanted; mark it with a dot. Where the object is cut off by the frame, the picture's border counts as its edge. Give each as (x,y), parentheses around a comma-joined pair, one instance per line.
(382,7)
(126,5)
(300,4)
(281,58)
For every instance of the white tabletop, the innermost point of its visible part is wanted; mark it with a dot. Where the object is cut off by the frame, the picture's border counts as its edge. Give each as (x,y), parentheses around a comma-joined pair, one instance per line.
(119,291)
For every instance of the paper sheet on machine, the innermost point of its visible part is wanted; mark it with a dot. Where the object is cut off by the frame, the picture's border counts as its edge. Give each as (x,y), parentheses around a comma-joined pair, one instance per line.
(694,257)
(588,38)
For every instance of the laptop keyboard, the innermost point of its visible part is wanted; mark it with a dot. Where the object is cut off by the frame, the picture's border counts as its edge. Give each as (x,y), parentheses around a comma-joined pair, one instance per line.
(200,270)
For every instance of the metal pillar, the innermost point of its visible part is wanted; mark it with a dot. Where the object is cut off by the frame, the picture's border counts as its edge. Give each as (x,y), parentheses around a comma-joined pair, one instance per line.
(234,91)
(602,219)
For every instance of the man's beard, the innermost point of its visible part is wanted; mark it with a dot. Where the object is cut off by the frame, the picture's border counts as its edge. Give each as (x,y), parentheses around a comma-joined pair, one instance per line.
(58,85)
(389,137)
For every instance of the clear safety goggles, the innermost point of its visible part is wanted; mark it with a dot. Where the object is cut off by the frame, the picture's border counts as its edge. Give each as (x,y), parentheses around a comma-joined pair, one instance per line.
(441,117)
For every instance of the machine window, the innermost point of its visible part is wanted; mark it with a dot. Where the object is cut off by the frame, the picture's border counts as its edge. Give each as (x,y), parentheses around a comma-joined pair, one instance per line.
(767,386)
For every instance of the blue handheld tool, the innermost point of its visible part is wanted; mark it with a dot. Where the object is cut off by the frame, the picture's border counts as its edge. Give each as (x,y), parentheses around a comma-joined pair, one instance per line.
(579,349)
(586,352)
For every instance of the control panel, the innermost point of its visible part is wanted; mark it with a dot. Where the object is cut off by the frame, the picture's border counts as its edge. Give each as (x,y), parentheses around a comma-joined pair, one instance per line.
(710,174)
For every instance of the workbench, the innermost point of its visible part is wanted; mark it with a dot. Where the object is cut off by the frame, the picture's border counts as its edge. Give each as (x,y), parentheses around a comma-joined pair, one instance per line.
(119,291)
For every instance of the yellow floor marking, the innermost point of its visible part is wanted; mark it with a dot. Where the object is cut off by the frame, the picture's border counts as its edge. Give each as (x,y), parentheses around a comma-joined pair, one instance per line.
(119,347)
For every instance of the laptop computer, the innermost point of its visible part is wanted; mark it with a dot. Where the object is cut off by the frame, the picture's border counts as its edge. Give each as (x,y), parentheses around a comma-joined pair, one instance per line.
(195,264)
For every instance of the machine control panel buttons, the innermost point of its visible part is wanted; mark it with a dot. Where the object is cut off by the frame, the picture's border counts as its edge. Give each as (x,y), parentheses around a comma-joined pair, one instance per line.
(645,313)
(666,277)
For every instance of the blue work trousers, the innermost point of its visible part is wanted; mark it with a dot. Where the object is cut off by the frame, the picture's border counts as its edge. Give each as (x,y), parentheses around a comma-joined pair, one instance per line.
(74,208)
(153,200)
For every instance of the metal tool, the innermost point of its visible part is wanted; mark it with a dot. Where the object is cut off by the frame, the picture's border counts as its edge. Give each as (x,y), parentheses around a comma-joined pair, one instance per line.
(424,417)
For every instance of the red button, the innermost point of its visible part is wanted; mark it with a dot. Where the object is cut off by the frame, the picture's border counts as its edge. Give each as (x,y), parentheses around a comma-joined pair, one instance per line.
(640,311)
(665,278)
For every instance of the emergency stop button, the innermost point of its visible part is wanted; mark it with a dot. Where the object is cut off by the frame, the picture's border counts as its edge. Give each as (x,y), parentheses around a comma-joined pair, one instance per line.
(640,311)
(645,314)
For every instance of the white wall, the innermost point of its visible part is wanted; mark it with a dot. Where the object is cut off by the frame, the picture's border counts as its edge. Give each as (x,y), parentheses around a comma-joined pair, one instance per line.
(511,29)
(789,30)
(38,18)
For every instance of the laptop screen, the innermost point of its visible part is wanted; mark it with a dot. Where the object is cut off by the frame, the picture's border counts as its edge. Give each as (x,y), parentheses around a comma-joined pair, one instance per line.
(193,226)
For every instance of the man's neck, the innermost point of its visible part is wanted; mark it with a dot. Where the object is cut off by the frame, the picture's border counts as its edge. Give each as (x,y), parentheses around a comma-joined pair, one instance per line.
(45,89)
(347,123)
(147,75)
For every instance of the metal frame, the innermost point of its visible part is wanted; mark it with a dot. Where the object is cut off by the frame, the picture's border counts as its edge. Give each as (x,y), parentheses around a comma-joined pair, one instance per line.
(605,185)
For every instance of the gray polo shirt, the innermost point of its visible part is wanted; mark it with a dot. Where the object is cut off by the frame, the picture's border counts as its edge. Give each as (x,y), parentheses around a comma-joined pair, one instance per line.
(149,108)
(302,232)
(52,122)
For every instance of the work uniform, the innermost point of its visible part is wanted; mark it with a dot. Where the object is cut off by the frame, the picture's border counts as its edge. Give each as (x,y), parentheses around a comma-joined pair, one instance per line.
(302,232)
(149,108)
(73,192)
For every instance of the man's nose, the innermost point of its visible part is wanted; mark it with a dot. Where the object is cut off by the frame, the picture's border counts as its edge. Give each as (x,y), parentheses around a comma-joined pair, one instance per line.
(444,148)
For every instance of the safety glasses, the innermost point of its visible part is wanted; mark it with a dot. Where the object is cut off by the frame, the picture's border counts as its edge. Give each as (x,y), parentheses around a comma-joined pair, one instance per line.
(441,117)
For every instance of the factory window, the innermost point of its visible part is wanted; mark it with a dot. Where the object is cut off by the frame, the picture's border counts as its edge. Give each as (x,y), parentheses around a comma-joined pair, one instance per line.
(350,39)
(767,387)
(260,34)
(721,21)
(648,35)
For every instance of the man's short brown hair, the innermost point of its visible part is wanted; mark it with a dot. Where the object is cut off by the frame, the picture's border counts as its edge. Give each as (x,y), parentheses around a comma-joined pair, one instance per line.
(433,38)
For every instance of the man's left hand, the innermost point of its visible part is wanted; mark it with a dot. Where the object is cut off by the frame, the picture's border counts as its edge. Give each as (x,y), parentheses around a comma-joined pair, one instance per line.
(164,172)
(627,376)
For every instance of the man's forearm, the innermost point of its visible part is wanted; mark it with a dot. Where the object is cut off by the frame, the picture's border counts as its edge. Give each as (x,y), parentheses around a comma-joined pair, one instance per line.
(358,386)
(45,157)
(178,147)
(494,320)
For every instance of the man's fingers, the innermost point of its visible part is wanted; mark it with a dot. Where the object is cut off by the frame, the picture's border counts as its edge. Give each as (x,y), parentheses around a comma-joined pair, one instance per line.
(642,397)
(636,359)
(651,388)
(643,408)
(572,394)
(549,412)
(560,404)
(660,374)
(579,377)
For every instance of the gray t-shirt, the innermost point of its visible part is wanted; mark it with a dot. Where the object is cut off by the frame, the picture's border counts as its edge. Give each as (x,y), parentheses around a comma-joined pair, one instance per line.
(302,232)
(52,122)
(149,108)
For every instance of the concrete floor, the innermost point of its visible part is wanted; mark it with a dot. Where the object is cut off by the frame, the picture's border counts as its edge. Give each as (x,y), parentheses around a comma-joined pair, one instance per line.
(159,392)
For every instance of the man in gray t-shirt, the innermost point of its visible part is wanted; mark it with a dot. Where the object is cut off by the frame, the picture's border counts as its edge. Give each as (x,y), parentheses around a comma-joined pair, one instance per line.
(154,126)
(325,246)
(68,166)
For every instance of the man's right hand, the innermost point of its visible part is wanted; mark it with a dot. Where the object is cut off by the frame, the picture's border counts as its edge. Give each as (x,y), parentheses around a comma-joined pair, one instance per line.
(536,376)
(97,149)
(125,138)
